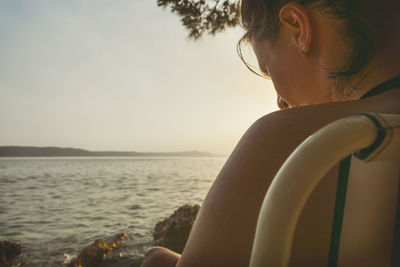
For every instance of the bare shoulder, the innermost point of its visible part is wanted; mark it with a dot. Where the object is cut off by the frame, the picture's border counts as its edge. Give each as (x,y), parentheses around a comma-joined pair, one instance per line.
(223,232)
(285,129)
(298,123)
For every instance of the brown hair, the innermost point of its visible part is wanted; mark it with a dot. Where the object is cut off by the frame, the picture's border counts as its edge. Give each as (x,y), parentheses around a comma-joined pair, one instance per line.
(260,19)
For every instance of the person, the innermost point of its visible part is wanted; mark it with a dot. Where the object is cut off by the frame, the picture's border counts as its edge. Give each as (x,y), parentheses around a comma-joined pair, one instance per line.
(323,57)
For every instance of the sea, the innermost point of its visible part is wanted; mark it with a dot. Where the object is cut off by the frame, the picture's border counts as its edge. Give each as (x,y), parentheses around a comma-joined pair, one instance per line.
(54,207)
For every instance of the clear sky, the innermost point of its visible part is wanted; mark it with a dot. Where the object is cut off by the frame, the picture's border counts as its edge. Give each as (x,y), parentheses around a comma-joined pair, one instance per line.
(121,75)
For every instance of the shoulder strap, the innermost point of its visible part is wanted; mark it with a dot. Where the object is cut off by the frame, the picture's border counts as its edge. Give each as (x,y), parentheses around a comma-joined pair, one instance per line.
(383,87)
(344,170)
(387,133)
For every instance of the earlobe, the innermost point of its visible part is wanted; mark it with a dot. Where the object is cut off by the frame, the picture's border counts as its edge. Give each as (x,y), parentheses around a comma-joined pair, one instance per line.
(296,18)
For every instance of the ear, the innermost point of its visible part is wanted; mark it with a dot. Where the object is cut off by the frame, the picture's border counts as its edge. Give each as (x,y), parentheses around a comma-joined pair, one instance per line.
(296,19)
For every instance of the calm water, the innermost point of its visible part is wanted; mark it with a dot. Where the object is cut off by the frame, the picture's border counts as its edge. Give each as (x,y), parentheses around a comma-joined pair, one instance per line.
(56,206)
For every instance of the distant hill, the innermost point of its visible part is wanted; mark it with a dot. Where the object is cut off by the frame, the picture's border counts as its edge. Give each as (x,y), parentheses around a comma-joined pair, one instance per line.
(31,151)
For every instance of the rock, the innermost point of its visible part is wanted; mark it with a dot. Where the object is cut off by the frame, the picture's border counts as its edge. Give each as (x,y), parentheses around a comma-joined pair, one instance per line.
(173,232)
(94,254)
(8,251)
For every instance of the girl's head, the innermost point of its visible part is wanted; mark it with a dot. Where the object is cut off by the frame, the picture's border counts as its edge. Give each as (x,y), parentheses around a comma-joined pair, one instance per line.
(321,48)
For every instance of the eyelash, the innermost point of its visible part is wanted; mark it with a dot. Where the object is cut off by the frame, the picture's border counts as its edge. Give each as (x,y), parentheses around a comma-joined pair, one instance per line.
(265,74)
(239,51)
(261,73)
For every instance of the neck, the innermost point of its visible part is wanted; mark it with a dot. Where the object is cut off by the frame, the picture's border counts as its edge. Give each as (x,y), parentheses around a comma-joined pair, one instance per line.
(381,68)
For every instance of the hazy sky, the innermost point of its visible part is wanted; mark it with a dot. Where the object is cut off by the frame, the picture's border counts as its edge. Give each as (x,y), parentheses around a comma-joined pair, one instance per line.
(121,75)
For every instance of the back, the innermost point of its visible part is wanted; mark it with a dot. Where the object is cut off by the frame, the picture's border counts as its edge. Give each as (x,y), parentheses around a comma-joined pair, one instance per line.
(369,215)
(368,222)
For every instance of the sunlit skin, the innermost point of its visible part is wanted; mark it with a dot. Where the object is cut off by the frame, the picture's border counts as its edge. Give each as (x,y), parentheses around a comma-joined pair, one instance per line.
(308,43)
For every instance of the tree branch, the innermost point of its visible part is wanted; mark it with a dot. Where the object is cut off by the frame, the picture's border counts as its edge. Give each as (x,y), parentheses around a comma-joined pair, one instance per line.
(200,17)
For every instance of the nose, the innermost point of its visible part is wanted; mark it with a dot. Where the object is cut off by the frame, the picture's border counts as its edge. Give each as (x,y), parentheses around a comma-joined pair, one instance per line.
(282,103)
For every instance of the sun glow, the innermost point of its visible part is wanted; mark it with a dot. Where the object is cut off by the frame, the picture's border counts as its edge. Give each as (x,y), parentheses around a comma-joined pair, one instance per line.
(121,75)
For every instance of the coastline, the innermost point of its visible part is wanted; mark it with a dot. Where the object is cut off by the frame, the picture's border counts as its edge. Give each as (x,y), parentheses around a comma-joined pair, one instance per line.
(32,151)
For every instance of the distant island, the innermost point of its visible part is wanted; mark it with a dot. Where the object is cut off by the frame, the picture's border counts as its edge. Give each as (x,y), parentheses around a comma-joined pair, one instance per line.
(31,151)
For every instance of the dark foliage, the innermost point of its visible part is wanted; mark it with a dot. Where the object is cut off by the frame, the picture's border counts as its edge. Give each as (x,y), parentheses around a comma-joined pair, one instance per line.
(203,16)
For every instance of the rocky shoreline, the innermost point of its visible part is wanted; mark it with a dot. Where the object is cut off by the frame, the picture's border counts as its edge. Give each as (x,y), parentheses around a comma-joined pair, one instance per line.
(171,233)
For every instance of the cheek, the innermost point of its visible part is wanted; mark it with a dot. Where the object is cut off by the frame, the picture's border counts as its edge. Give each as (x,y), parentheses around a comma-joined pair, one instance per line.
(295,80)
(286,78)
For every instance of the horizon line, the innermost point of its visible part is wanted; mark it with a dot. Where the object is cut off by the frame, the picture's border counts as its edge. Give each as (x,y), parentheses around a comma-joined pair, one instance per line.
(111,151)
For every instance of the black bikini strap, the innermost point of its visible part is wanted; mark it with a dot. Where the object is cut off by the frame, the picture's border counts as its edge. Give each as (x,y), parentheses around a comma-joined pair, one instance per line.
(344,169)
(383,87)
(343,178)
